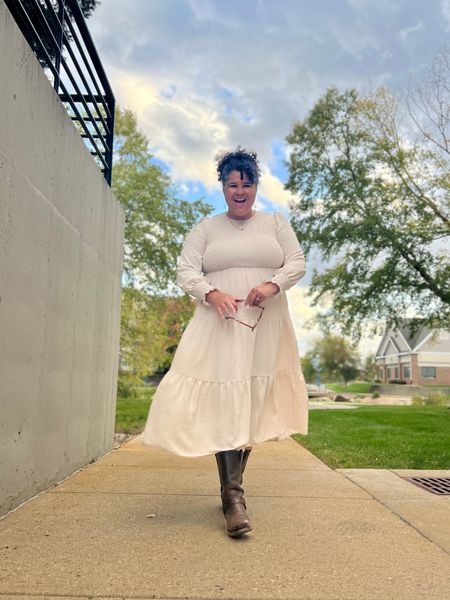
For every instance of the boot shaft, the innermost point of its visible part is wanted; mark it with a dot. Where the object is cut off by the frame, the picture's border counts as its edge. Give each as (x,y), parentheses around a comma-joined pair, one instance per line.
(229,464)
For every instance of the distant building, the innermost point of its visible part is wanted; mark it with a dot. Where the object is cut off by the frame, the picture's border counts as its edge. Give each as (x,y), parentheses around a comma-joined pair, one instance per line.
(421,358)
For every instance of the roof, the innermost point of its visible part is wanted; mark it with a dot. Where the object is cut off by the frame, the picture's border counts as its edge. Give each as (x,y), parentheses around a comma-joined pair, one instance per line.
(413,339)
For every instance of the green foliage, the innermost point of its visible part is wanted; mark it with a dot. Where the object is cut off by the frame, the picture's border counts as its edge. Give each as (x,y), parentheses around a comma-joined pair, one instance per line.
(377,205)
(156,220)
(438,398)
(338,358)
(151,327)
(309,371)
(126,384)
(156,223)
(384,437)
(369,369)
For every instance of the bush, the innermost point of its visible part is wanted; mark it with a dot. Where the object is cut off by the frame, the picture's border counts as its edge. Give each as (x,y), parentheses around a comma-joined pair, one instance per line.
(376,395)
(437,399)
(399,381)
(126,388)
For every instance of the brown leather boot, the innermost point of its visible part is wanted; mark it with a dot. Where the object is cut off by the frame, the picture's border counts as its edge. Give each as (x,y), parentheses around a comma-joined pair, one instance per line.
(229,464)
(244,454)
(244,459)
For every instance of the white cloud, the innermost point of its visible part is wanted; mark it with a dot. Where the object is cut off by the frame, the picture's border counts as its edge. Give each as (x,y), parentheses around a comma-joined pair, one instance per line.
(205,75)
(407,31)
(202,78)
(301,313)
(272,189)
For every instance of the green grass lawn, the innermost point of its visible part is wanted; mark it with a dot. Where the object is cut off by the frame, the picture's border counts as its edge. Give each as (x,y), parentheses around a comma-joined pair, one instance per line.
(385,437)
(131,413)
(357,387)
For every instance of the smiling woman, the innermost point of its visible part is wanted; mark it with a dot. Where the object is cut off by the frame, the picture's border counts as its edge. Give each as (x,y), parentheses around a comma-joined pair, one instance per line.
(239,174)
(235,379)
(240,194)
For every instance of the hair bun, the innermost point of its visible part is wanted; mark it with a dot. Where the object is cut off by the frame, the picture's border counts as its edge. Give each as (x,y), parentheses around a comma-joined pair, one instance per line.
(242,160)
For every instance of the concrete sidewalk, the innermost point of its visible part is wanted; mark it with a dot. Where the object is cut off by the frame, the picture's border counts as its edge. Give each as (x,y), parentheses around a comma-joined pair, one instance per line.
(140,523)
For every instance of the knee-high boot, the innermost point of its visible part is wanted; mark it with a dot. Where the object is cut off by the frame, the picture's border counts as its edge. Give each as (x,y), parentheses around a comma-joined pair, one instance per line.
(244,454)
(229,464)
(244,459)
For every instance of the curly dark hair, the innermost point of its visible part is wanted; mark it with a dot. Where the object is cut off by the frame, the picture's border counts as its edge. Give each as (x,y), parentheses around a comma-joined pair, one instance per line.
(238,160)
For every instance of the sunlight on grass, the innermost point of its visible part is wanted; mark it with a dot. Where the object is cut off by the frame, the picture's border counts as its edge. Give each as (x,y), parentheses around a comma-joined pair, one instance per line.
(385,437)
(357,387)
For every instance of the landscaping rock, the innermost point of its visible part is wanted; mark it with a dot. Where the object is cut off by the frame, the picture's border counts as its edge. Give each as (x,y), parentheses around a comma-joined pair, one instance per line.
(341,398)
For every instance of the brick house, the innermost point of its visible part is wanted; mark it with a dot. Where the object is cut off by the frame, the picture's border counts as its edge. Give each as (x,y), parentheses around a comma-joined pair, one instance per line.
(421,358)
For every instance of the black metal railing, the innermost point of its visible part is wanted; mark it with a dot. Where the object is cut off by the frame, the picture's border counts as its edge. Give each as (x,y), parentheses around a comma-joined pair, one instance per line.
(56,31)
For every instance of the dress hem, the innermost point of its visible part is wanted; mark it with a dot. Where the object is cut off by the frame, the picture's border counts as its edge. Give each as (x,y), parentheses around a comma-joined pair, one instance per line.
(275,438)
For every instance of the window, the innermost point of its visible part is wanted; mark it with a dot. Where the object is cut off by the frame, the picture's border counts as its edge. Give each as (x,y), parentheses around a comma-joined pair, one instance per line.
(396,373)
(406,372)
(428,372)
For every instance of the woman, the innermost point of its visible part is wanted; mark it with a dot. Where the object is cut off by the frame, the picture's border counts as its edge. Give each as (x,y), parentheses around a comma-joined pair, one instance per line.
(235,379)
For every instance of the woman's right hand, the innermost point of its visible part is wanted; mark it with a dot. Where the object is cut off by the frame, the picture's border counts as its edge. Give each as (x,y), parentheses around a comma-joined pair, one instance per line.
(225,304)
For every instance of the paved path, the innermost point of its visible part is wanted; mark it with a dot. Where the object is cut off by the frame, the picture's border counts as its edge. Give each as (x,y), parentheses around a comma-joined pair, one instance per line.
(140,523)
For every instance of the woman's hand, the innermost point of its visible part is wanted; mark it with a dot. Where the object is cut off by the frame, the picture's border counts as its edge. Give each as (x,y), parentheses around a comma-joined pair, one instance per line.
(261,292)
(225,304)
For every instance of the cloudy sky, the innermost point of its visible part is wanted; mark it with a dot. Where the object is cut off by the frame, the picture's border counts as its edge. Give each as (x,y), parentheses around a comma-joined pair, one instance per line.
(205,75)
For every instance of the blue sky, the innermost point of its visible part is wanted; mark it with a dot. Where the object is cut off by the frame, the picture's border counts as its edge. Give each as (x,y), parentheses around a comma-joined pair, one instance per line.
(205,75)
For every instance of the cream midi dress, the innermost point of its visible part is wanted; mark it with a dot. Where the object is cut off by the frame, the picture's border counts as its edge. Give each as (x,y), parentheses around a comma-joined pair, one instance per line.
(229,386)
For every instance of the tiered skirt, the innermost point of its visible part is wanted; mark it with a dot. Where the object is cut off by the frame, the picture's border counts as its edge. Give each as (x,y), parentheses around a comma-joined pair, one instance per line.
(229,386)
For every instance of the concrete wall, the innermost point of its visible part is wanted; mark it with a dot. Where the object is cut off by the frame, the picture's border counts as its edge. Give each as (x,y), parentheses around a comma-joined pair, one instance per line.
(61,250)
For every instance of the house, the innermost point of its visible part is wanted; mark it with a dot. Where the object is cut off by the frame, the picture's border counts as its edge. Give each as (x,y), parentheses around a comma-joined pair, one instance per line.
(418,358)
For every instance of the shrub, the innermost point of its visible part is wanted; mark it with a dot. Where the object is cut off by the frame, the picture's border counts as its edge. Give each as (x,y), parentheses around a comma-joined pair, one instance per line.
(435,399)
(126,388)
(399,381)
(376,395)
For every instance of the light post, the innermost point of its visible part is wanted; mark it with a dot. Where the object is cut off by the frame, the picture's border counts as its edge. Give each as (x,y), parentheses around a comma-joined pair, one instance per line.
(315,361)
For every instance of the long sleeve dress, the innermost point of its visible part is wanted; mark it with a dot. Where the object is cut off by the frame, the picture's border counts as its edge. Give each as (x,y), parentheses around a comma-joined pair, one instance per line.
(229,386)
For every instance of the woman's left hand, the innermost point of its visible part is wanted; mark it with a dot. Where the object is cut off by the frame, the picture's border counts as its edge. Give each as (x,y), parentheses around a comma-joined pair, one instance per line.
(260,293)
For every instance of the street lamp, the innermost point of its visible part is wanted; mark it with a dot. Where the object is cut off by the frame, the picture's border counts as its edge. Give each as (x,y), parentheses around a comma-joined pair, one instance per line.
(315,361)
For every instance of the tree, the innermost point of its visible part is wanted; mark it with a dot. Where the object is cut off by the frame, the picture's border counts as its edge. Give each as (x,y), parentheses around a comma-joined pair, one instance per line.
(156,220)
(309,372)
(154,314)
(376,203)
(370,368)
(150,330)
(338,358)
